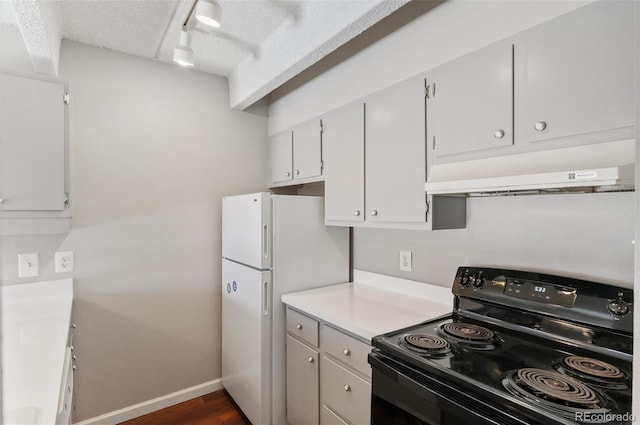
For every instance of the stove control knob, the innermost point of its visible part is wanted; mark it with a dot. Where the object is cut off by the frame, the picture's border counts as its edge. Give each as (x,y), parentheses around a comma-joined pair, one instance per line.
(618,307)
(478,280)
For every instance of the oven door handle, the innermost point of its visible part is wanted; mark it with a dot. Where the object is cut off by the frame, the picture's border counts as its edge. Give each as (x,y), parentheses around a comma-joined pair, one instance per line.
(436,392)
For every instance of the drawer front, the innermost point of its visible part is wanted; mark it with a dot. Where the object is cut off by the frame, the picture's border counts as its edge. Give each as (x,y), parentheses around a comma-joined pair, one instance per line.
(345,393)
(302,326)
(327,417)
(346,349)
(302,383)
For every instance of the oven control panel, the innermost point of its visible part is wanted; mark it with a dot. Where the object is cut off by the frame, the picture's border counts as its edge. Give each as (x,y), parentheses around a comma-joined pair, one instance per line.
(572,299)
(541,292)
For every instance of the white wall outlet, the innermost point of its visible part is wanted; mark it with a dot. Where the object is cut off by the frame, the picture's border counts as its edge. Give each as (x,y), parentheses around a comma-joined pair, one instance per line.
(64,262)
(28,264)
(405,261)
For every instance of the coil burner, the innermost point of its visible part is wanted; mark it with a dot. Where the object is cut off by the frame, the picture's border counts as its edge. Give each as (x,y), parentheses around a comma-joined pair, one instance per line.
(472,335)
(593,371)
(558,393)
(426,344)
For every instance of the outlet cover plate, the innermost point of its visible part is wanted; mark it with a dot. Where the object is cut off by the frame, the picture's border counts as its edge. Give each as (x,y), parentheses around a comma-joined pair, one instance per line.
(28,265)
(405,261)
(64,262)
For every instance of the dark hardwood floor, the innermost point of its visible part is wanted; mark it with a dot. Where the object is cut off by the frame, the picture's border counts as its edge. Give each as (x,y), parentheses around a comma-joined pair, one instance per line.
(210,409)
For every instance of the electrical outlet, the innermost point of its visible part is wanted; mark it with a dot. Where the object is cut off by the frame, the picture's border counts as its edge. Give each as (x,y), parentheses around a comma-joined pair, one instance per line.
(64,262)
(28,265)
(405,261)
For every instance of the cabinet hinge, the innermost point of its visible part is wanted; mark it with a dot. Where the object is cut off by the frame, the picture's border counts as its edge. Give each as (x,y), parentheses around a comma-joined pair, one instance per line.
(65,98)
(322,166)
(321,127)
(430,91)
(66,199)
(433,143)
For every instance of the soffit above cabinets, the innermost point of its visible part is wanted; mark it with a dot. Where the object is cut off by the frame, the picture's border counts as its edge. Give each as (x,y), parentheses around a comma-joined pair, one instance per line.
(261,45)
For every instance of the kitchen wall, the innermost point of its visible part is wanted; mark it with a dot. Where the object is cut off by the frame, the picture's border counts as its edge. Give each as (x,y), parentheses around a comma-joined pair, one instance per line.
(153,148)
(582,235)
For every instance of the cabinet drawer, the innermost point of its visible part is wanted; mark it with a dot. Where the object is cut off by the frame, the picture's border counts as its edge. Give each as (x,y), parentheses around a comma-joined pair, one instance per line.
(327,417)
(345,393)
(302,326)
(346,349)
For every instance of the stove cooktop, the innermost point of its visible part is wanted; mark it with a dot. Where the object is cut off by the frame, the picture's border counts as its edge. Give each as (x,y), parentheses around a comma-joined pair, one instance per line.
(516,370)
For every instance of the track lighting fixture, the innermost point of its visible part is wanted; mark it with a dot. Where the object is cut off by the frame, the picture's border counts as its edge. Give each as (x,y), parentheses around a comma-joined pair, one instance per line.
(209,13)
(183,54)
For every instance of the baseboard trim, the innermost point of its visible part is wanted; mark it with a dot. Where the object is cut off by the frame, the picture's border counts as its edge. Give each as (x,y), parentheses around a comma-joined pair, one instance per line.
(140,409)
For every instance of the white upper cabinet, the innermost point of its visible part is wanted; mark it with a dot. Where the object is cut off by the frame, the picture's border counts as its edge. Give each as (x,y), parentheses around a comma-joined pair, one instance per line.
(32,160)
(470,102)
(343,144)
(296,155)
(575,76)
(307,150)
(395,154)
(281,154)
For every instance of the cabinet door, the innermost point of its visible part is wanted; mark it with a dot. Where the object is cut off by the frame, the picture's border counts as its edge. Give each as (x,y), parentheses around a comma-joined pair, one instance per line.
(343,143)
(303,398)
(32,144)
(395,154)
(307,150)
(575,75)
(470,103)
(281,152)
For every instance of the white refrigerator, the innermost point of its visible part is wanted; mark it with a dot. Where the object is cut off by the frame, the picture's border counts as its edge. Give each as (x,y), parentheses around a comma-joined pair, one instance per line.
(271,245)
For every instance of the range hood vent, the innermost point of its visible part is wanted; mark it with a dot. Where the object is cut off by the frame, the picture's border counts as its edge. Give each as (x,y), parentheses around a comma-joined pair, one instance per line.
(600,167)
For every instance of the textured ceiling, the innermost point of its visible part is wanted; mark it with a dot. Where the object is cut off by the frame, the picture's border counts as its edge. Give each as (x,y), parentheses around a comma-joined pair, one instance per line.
(261,44)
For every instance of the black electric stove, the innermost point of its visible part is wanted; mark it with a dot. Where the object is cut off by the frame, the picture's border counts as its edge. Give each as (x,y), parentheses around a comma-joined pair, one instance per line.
(518,348)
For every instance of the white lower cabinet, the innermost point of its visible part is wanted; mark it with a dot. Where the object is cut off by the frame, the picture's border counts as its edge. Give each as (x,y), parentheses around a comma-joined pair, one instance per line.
(302,383)
(337,389)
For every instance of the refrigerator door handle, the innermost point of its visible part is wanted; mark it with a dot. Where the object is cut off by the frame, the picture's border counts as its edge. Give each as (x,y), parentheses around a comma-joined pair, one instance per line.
(266,301)
(265,241)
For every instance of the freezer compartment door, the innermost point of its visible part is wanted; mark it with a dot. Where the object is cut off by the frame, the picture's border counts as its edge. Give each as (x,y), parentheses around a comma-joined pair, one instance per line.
(246,229)
(246,339)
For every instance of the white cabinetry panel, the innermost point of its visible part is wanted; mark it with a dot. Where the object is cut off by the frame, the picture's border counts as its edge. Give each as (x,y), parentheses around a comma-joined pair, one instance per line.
(395,154)
(470,103)
(32,144)
(343,143)
(307,150)
(575,75)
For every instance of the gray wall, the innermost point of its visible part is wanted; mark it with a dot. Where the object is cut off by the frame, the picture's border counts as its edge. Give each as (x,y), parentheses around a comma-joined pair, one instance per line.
(581,235)
(153,148)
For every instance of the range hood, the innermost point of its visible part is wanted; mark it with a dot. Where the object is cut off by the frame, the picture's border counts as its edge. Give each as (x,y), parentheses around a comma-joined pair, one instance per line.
(599,167)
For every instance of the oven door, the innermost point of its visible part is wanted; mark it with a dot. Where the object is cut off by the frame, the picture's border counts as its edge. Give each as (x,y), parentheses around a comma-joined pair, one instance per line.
(403,395)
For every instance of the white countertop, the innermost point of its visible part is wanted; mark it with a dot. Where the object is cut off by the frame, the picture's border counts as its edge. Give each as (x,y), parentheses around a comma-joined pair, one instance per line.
(35,326)
(373,304)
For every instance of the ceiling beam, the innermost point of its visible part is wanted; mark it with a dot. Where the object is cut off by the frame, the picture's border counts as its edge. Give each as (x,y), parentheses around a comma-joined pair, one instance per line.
(308,38)
(39,23)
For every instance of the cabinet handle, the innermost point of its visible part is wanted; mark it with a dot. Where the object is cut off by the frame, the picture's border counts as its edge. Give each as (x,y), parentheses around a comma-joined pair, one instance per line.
(374,212)
(310,359)
(73,367)
(346,352)
(73,325)
(298,326)
(498,134)
(73,357)
(288,174)
(297,172)
(71,347)
(356,213)
(1,200)
(347,387)
(540,125)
